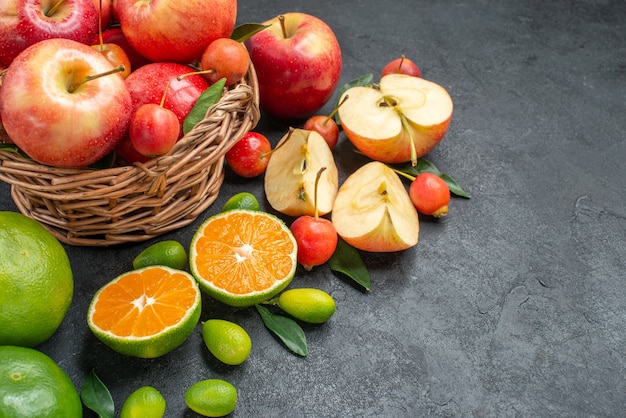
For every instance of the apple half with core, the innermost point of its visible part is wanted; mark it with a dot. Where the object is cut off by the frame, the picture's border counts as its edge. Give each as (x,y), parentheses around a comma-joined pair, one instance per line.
(291,173)
(56,111)
(373,211)
(399,120)
(298,64)
(173,30)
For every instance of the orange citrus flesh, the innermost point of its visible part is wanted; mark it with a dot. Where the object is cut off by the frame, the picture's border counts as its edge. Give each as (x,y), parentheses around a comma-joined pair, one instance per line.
(146,312)
(243,257)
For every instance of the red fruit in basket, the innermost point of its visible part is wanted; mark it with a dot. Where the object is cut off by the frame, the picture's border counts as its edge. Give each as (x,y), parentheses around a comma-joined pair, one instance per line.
(56,111)
(116,36)
(177,31)
(153,130)
(147,83)
(26,22)
(430,195)
(250,155)
(225,58)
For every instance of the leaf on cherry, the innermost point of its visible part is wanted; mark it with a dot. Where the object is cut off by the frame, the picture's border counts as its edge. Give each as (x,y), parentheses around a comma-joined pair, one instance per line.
(286,329)
(346,260)
(96,396)
(246,30)
(208,98)
(423,166)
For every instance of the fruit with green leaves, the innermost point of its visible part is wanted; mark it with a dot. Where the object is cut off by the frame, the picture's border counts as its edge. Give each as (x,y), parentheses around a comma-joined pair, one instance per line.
(430,195)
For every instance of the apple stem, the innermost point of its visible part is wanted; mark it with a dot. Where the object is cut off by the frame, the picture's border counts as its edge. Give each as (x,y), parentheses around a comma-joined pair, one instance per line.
(317,180)
(76,85)
(403,174)
(281,20)
(408,130)
(335,110)
(54,8)
(402,58)
(167,86)
(200,72)
(100,23)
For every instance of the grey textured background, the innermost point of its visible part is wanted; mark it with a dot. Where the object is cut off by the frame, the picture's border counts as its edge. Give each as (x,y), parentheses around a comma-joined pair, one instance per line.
(512,306)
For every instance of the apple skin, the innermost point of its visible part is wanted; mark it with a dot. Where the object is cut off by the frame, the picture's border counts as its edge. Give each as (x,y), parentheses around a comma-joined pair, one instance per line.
(53,125)
(23,23)
(116,36)
(175,31)
(296,74)
(378,132)
(249,156)
(401,65)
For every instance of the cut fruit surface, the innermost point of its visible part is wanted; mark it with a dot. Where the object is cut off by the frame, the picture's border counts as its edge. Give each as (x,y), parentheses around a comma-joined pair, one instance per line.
(243,257)
(146,312)
(373,211)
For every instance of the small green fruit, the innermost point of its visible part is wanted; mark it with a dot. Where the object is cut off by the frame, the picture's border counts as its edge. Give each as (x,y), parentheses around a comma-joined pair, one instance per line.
(243,200)
(212,398)
(307,304)
(167,253)
(227,341)
(145,402)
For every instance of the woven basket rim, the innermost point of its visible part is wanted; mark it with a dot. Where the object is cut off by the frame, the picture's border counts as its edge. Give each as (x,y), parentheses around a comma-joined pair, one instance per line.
(130,203)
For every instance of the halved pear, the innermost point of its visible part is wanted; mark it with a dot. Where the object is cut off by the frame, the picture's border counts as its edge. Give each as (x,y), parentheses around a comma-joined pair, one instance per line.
(373,211)
(400,120)
(292,170)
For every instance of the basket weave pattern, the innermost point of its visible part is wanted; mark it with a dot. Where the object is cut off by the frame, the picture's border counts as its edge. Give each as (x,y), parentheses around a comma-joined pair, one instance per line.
(133,203)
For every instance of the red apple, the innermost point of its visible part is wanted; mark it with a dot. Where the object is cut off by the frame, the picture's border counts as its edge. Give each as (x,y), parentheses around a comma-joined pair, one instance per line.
(175,31)
(298,65)
(54,112)
(25,22)
(250,155)
(147,84)
(115,55)
(116,36)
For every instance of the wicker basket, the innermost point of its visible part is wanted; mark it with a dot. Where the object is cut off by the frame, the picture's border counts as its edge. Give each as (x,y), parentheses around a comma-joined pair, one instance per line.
(87,207)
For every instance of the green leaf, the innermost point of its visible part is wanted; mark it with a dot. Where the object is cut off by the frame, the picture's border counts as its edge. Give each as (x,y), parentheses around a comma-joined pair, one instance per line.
(244,31)
(288,330)
(346,260)
(364,80)
(208,98)
(96,396)
(424,166)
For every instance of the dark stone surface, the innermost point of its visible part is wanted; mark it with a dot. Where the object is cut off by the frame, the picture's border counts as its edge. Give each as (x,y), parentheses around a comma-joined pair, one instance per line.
(514,305)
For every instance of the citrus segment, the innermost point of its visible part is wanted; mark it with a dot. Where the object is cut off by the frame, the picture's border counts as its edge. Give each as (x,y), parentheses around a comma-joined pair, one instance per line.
(146,312)
(33,385)
(36,281)
(242,257)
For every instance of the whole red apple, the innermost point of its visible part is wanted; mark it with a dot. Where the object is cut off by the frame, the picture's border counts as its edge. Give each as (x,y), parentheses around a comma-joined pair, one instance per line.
(54,112)
(25,22)
(147,84)
(172,30)
(298,65)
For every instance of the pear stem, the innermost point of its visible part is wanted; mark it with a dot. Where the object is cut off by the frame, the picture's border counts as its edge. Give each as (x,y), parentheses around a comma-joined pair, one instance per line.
(51,11)
(79,83)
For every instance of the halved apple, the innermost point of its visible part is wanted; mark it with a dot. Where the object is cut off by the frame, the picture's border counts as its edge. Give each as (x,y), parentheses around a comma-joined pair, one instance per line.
(400,120)
(292,170)
(373,211)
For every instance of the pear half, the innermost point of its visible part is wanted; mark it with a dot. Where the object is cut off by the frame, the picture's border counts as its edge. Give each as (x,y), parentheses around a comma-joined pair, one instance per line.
(400,120)
(373,211)
(291,172)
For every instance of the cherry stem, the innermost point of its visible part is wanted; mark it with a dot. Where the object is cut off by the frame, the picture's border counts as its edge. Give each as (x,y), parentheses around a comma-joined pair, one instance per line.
(335,110)
(54,8)
(317,180)
(402,58)
(167,86)
(281,20)
(403,174)
(291,131)
(100,24)
(180,77)
(76,85)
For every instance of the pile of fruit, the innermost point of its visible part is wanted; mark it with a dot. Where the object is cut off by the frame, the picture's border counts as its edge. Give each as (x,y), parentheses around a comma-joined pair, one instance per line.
(86,78)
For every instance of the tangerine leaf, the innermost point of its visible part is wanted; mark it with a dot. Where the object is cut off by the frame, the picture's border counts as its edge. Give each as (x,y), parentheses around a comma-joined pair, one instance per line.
(346,260)
(286,329)
(424,166)
(208,98)
(246,30)
(96,396)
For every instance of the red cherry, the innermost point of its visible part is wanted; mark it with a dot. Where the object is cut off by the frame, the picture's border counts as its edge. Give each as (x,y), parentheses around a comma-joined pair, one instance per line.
(225,58)
(430,195)
(115,55)
(153,130)
(250,155)
(325,126)
(401,65)
(316,238)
